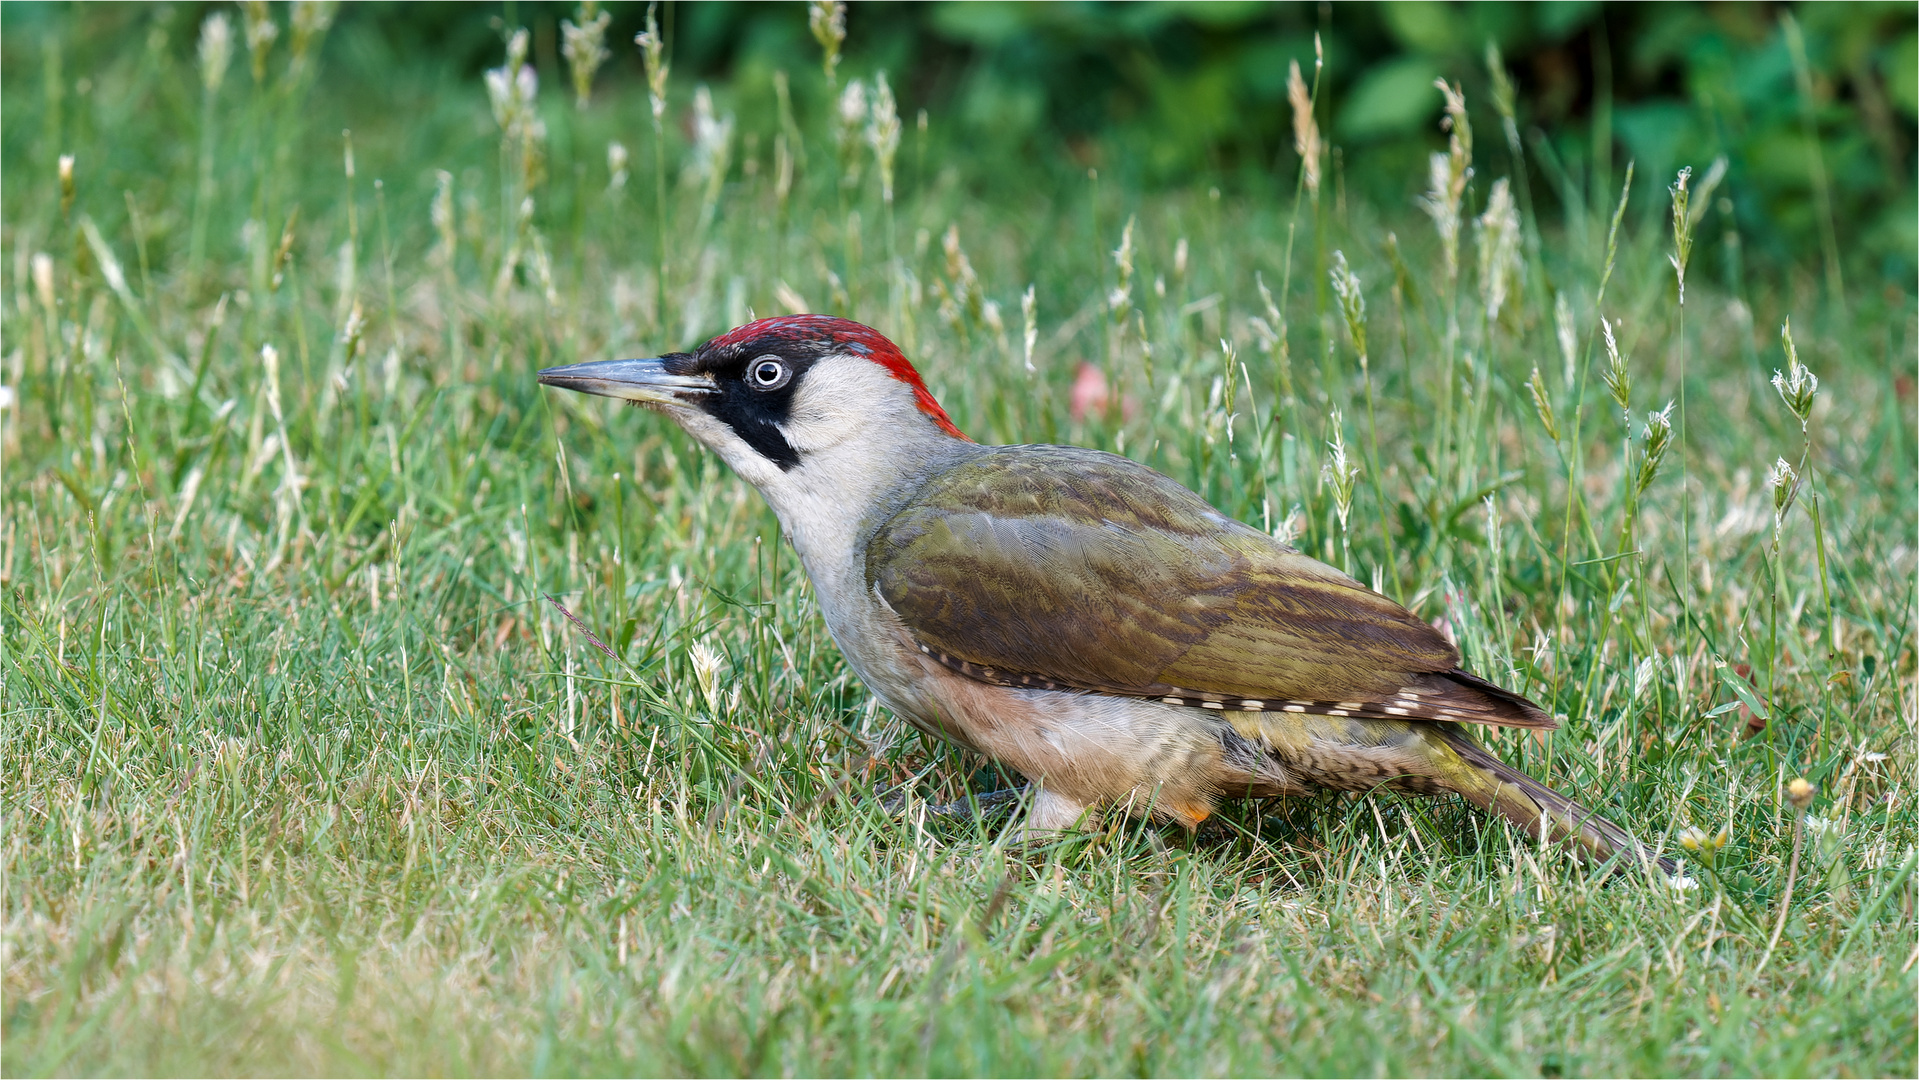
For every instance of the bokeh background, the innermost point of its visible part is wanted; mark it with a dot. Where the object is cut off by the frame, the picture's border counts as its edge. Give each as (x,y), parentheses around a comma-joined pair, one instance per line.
(1166,94)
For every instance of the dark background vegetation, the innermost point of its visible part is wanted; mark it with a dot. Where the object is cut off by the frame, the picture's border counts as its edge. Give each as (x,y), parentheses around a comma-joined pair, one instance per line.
(1163,94)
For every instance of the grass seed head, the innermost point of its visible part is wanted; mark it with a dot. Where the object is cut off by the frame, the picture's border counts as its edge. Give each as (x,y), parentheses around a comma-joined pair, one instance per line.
(1352,301)
(1567,333)
(706,671)
(1120,300)
(1618,378)
(1505,99)
(311,18)
(883,133)
(616,161)
(1658,436)
(510,88)
(1682,222)
(1784,482)
(1340,471)
(1499,263)
(216,50)
(584,46)
(853,112)
(1448,173)
(284,252)
(1305,128)
(1030,313)
(1543,404)
(353,332)
(653,57)
(42,270)
(261,32)
(442,216)
(712,138)
(827,20)
(1797,386)
(67,189)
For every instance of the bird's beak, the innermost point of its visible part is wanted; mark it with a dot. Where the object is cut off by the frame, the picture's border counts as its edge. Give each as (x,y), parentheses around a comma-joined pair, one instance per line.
(644,381)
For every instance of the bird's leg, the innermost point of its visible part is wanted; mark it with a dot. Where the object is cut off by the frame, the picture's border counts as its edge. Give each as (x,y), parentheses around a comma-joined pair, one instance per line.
(1052,814)
(981,807)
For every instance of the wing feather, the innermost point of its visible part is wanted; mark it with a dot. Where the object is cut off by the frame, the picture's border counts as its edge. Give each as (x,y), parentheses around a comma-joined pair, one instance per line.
(1075,569)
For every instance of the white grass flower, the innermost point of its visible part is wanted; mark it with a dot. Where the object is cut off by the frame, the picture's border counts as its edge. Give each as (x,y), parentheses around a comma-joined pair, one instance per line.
(216,50)
(1543,403)
(42,270)
(1642,676)
(1567,333)
(852,113)
(1618,378)
(883,133)
(353,332)
(261,32)
(510,87)
(310,20)
(1798,387)
(1658,436)
(852,104)
(67,188)
(1340,471)
(966,294)
(1447,175)
(827,20)
(706,670)
(1784,482)
(616,160)
(712,136)
(443,221)
(1499,263)
(1680,883)
(1682,221)
(1121,298)
(653,55)
(1029,312)
(584,46)
(1352,301)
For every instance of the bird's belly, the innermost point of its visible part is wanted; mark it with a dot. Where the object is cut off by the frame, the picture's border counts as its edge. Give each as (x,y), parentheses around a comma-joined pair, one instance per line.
(1094,748)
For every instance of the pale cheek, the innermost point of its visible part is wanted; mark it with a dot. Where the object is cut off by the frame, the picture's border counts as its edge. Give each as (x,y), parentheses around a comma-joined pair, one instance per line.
(754,468)
(815,426)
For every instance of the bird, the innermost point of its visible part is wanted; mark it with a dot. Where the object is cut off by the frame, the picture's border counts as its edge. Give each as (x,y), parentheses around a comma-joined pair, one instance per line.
(1077,616)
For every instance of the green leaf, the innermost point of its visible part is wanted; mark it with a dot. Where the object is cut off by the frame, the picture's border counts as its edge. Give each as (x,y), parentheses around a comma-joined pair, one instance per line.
(1743,689)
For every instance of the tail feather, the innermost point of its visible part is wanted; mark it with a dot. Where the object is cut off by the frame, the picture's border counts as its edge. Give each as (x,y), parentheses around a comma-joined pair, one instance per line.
(1545,814)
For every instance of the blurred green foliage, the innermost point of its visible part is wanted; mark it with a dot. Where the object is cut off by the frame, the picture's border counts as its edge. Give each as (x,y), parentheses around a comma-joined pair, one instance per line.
(1162,94)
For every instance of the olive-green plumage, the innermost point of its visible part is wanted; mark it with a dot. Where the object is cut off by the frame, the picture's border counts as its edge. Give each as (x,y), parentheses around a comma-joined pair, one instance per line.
(1084,570)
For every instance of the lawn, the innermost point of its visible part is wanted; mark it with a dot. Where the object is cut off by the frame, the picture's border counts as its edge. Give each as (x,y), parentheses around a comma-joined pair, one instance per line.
(370,710)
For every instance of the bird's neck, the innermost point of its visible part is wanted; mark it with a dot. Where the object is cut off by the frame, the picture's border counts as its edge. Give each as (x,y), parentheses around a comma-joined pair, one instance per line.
(831,503)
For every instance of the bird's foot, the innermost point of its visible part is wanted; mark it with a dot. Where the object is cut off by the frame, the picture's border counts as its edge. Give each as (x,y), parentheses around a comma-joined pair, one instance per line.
(983,807)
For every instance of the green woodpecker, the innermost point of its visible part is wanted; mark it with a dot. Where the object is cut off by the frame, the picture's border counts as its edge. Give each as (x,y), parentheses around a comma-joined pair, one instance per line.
(1075,615)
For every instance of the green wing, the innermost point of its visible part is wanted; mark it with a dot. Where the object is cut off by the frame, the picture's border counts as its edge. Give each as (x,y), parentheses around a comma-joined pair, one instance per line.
(1075,569)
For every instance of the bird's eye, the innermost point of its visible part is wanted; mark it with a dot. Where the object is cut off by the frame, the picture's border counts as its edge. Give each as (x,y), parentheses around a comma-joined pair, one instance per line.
(768,373)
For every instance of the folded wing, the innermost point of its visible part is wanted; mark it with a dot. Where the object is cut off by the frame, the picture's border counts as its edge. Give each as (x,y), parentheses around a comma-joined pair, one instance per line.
(1073,569)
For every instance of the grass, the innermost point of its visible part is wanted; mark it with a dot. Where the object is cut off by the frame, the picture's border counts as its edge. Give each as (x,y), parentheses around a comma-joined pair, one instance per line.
(304,774)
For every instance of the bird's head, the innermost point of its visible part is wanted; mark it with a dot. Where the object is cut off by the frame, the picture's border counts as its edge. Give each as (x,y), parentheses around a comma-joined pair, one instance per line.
(774,395)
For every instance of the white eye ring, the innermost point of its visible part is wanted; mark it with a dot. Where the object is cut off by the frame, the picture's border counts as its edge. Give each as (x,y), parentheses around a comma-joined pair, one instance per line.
(769,373)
